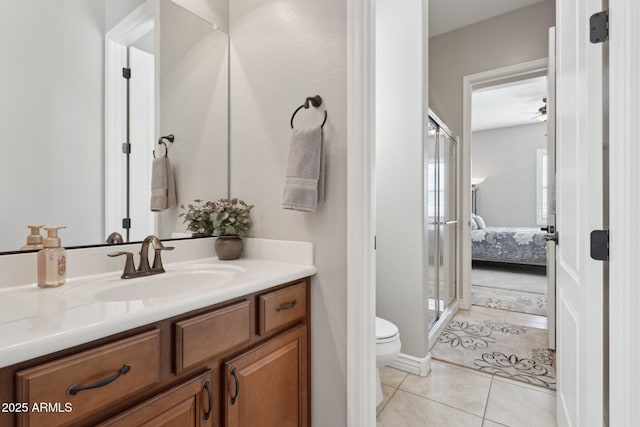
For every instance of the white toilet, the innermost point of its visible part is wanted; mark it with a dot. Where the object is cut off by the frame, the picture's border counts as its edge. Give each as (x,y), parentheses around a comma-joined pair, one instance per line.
(387,349)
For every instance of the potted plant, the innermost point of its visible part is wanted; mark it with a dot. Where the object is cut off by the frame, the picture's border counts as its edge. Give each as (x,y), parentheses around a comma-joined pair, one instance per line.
(198,218)
(230,219)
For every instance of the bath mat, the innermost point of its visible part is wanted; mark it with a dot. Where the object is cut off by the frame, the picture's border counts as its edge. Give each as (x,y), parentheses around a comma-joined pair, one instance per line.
(507,350)
(511,279)
(503,299)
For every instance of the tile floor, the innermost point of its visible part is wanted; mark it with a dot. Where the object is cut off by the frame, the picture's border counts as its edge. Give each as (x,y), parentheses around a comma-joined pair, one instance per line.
(505,316)
(453,395)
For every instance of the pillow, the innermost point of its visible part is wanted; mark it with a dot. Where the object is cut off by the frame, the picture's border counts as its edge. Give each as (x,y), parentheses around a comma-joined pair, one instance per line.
(481,224)
(474,224)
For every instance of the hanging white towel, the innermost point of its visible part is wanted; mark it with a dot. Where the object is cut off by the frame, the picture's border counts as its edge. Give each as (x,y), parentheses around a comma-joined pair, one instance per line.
(304,183)
(163,189)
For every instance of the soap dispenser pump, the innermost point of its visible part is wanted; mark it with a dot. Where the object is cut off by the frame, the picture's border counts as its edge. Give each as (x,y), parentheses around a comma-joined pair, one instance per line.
(34,240)
(52,260)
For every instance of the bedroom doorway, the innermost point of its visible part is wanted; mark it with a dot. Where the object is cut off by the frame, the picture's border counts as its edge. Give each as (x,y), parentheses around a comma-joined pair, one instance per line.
(509,206)
(502,327)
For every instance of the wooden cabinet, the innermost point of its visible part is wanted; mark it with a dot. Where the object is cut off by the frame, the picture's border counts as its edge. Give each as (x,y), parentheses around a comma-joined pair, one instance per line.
(190,404)
(203,337)
(89,381)
(268,386)
(282,307)
(180,371)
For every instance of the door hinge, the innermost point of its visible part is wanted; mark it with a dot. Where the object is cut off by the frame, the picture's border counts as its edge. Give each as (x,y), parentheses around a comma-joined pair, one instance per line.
(126,147)
(126,223)
(599,27)
(600,245)
(126,73)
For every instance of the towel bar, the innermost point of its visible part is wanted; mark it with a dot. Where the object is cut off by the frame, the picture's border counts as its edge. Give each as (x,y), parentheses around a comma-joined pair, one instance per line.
(161,141)
(316,101)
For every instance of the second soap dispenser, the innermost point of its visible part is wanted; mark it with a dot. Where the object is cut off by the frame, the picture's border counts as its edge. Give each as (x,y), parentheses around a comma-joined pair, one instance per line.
(34,240)
(52,260)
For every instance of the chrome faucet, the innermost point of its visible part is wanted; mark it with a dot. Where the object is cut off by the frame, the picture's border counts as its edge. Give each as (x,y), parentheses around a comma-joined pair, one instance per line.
(144,269)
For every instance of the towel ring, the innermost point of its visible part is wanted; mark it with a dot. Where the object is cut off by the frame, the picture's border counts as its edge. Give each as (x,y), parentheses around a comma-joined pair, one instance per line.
(161,141)
(316,101)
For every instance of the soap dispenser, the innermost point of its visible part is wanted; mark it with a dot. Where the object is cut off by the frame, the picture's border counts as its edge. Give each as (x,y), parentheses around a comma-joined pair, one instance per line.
(34,240)
(52,260)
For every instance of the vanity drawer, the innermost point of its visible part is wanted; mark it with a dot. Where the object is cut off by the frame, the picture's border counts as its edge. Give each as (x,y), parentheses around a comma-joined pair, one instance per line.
(282,307)
(77,386)
(203,337)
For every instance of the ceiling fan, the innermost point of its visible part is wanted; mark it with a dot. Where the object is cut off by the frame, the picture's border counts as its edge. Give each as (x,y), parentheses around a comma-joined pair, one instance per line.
(541,114)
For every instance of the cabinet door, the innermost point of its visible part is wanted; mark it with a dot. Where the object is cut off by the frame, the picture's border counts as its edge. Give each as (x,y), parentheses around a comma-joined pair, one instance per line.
(190,404)
(268,386)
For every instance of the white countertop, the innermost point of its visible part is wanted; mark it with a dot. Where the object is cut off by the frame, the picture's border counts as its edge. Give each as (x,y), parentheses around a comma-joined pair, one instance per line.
(35,322)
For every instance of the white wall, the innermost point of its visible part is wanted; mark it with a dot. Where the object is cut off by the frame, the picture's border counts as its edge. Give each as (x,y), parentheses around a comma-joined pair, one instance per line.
(214,11)
(508,39)
(193,83)
(115,10)
(51,116)
(507,158)
(283,51)
(400,116)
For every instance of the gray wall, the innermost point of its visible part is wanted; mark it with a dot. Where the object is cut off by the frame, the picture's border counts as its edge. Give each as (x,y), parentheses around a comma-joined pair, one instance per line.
(509,39)
(400,103)
(51,116)
(507,158)
(283,51)
(193,88)
(116,10)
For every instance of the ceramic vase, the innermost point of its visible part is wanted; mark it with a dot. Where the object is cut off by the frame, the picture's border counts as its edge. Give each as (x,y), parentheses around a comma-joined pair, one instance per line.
(229,247)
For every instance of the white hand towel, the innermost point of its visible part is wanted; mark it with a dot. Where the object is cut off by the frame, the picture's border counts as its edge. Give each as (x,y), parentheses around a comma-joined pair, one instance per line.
(304,183)
(172,200)
(163,193)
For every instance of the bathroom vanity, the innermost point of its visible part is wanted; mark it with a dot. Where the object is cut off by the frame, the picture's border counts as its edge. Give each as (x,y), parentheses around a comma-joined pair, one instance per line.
(236,354)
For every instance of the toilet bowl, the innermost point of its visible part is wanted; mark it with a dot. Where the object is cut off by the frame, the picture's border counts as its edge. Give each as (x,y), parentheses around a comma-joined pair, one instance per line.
(387,349)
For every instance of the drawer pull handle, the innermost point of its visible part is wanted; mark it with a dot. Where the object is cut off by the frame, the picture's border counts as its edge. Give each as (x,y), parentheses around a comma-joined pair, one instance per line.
(75,388)
(289,306)
(210,395)
(235,377)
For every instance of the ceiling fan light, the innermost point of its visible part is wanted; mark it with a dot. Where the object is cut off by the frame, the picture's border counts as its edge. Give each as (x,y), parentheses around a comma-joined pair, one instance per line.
(542,112)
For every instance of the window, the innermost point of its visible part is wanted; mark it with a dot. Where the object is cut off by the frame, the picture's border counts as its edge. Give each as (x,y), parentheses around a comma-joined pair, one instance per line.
(541,205)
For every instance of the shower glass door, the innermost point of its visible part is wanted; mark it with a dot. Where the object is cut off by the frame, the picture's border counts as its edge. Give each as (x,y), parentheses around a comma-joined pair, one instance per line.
(448,223)
(440,219)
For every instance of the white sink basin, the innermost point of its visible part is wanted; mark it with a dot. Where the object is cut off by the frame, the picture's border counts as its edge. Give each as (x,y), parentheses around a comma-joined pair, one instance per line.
(186,280)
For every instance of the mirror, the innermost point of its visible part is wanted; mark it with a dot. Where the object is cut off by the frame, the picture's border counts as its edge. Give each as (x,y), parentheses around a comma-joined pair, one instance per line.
(63,113)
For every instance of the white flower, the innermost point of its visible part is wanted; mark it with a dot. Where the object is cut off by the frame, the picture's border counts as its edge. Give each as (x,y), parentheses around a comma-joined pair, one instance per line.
(478,235)
(523,237)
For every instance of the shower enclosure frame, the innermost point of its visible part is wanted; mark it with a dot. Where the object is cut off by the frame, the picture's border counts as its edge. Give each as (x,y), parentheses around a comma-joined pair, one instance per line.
(441,218)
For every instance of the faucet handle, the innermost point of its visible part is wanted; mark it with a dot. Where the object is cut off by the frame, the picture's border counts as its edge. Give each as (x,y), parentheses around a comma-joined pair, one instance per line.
(129,267)
(157,259)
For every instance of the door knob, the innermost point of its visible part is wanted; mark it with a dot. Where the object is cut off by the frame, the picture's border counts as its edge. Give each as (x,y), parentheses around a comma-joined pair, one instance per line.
(549,229)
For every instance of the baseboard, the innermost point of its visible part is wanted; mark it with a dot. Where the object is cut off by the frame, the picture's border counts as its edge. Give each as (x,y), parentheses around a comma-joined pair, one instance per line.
(413,365)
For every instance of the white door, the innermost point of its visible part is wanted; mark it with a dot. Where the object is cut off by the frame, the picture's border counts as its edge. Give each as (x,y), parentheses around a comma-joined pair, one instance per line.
(142,127)
(579,211)
(551,190)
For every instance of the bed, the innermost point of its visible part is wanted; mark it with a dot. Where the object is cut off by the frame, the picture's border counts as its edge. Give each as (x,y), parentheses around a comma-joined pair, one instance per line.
(511,245)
